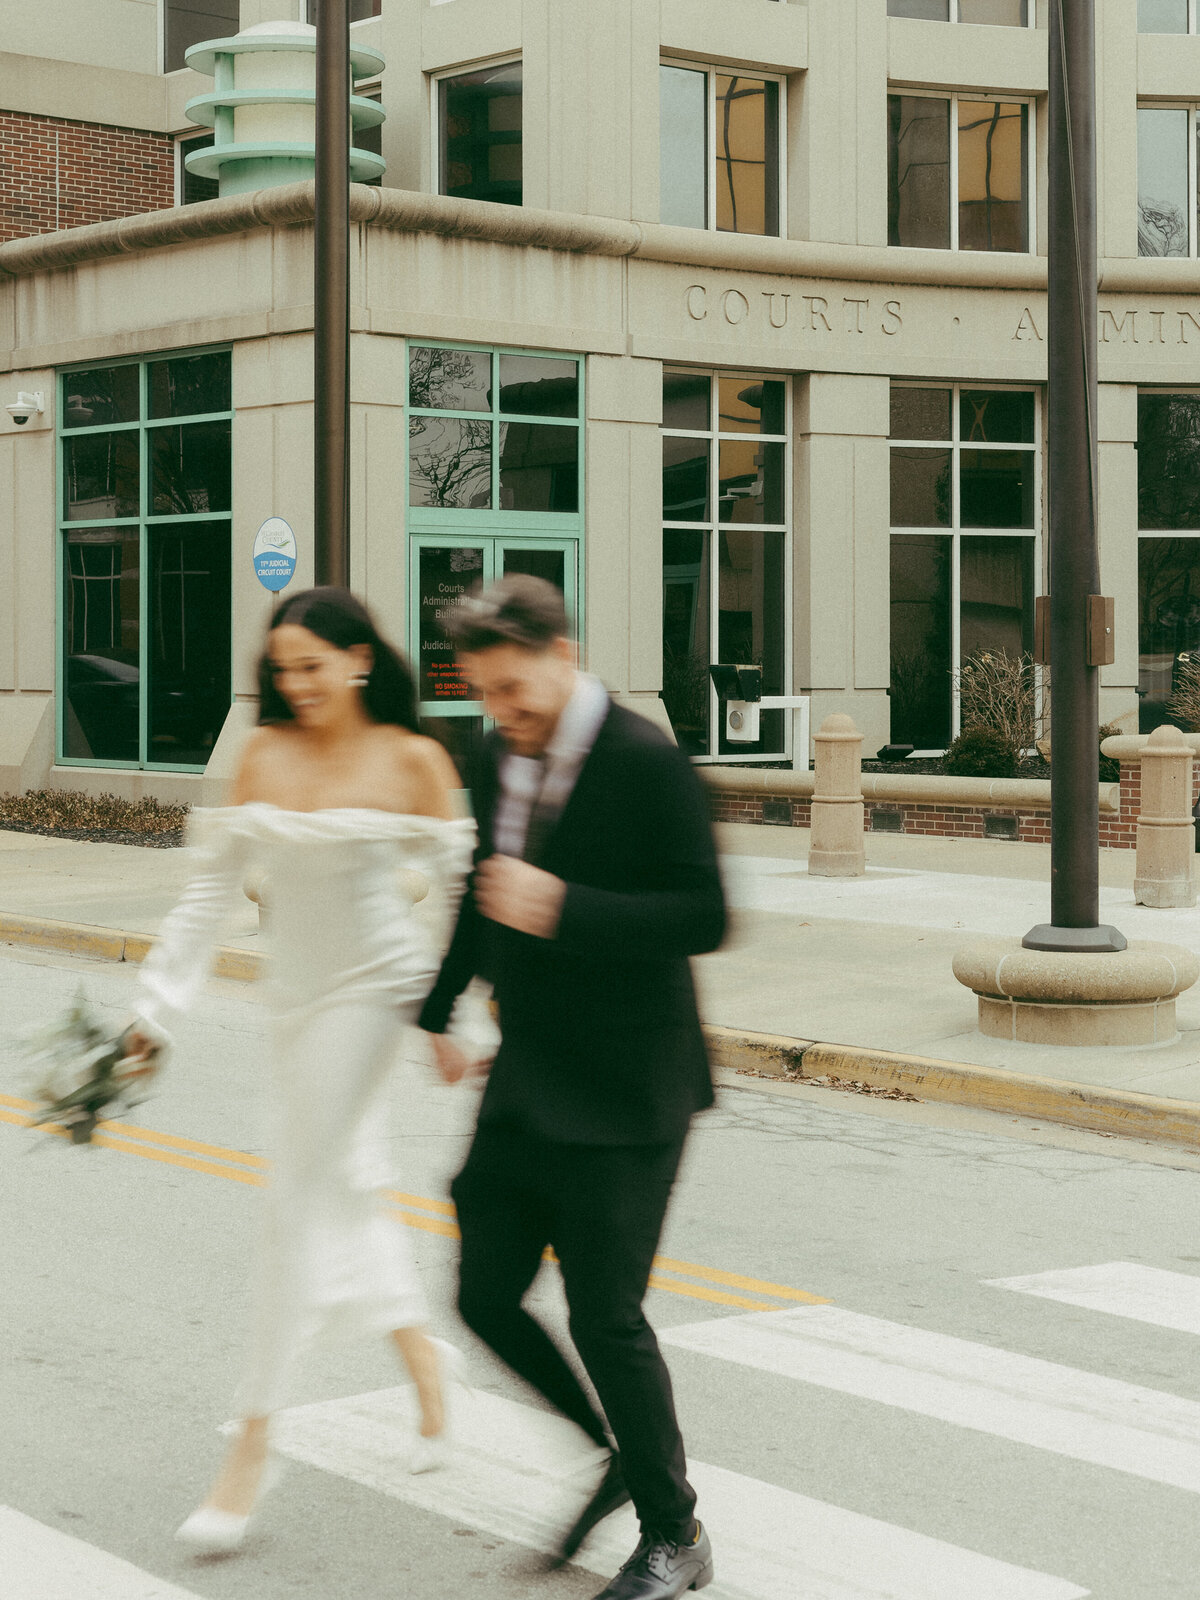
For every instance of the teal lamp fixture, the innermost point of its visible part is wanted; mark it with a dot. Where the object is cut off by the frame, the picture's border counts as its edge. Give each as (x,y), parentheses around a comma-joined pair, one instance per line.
(263,107)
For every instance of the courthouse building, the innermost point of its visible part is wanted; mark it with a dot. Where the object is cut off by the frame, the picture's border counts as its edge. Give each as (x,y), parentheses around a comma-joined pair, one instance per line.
(729,316)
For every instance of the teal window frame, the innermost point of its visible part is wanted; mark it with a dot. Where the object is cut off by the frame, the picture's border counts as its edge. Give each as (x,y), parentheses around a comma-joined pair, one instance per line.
(491,528)
(143,522)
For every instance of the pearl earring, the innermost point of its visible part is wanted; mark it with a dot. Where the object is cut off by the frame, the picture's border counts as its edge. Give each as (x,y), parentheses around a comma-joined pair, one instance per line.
(358,681)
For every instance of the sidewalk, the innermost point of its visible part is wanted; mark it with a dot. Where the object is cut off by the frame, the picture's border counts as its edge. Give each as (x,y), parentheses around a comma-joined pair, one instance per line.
(862,965)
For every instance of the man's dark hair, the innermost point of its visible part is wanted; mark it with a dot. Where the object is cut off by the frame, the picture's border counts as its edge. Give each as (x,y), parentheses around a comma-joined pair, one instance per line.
(519,609)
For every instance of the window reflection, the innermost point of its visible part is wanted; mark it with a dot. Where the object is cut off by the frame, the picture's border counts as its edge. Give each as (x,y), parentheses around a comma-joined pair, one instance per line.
(190,468)
(998,13)
(918,171)
(449,462)
(920,488)
(920,641)
(100,395)
(747,175)
(539,467)
(751,405)
(189,386)
(1164,193)
(450,380)
(920,413)
(100,639)
(686,650)
(480,127)
(992,214)
(190,641)
(996,488)
(686,398)
(996,416)
(189,22)
(1162,16)
(1168,461)
(539,386)
(996,582)
(750,621)
(751,482)
(685,479)
(928,10)
(101,476)
(1168,622)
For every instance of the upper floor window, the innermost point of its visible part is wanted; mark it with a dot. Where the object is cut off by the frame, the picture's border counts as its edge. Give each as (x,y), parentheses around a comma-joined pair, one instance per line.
(1167,145)
(1168,16)
(189,186)
(188,22)
(999,13)
(479,134)
(720,150)
(958,172)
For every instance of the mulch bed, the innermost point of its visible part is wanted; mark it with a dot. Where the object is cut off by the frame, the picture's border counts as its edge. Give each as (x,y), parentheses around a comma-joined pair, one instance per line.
(171,840)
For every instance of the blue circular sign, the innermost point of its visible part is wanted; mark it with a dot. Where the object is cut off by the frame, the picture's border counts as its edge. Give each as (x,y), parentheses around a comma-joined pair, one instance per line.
(274,554)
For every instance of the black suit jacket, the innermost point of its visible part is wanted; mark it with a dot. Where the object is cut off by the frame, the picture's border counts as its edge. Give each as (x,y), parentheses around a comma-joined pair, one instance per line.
(601,1038)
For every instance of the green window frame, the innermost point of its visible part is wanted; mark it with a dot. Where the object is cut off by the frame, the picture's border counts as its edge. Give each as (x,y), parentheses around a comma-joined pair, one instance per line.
(479,468)
(129,692)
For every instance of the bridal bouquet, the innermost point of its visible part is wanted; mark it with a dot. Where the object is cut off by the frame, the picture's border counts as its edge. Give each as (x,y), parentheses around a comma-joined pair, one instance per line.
(82,1076)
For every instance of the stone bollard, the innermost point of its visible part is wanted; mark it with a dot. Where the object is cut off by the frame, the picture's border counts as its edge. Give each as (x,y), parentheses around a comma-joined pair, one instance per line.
(1166,831)
(836,847)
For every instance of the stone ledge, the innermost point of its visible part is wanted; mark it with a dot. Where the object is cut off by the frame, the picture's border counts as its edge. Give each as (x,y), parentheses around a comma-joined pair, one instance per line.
(1029,794)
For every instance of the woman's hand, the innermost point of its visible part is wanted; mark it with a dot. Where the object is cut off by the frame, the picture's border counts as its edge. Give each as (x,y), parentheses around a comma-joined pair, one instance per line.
(141,1051)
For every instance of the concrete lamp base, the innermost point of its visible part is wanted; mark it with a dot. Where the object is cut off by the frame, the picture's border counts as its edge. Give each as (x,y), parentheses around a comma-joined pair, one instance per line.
(1124,997)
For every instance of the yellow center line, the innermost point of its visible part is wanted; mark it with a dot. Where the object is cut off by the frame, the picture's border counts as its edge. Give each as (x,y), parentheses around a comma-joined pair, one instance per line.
(173,1150)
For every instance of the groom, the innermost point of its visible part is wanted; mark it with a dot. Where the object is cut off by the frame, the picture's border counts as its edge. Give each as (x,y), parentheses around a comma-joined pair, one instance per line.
(595,879)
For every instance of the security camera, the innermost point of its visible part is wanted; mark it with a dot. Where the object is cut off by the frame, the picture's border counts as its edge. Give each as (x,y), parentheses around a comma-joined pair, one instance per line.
(24,407)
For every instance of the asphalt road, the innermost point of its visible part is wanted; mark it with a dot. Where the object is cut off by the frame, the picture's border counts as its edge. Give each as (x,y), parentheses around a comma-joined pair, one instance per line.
(919,1354)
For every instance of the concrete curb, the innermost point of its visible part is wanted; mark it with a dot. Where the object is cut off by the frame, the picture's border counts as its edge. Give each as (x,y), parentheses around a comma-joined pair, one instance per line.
(1121,1112)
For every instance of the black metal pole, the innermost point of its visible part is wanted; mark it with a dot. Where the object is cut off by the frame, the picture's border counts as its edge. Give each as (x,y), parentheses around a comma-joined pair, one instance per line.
(1072,471)
(331,298)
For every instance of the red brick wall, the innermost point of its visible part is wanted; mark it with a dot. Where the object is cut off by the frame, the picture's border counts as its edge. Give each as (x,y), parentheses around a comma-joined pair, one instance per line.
(1118,831)
(58,174)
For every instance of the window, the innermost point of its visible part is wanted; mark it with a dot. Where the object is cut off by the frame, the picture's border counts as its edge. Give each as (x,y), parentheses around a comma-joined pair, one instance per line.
(720,139)
(189,186)
(370,138)
(966,497)
(1167,16)
(495,468)
(726,548)
(1168,545)
(145,566)
(1167,180)
(999,13)
(958,173)
(188,22)
(479,134)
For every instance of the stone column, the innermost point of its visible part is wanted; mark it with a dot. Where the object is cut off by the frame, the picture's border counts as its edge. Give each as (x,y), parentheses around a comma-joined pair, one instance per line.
(836,850)
(1166,842)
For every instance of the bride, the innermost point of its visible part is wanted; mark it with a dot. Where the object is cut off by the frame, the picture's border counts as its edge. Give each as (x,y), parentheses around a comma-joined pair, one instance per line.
(336,790)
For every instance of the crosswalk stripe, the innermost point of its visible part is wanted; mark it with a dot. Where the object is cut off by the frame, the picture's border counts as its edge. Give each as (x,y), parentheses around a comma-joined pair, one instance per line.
(1122,1289)
(40,1563)
(520,1474)
(1072,1413)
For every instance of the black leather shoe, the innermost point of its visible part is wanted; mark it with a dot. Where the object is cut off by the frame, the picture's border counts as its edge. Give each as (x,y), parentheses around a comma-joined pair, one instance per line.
(609,1496)
(660,1569)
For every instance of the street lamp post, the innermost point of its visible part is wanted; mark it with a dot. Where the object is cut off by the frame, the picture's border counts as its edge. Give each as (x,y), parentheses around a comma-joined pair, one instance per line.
(331,298)
(1072,468)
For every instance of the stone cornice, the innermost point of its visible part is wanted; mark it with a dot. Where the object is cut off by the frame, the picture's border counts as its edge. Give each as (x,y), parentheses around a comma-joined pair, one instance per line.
(410,211)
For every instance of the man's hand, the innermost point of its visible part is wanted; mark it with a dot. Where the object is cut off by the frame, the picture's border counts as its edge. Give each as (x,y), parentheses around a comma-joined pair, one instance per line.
(452,1063)
(520,896)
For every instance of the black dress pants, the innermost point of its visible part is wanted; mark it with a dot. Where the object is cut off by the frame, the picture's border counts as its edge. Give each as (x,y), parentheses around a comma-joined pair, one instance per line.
(601,1207)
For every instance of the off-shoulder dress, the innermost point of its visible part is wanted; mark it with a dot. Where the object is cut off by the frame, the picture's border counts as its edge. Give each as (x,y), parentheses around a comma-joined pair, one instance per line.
(350,963)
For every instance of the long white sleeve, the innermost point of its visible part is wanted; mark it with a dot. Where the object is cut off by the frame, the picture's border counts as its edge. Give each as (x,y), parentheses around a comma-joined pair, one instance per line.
(178,965)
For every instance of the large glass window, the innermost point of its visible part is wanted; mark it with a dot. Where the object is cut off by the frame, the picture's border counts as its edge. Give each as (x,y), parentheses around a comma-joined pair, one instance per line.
(1167,16)
(965,518)
(1167,180)
(999,13)
(479,134)
(495,465)
(725,549)
(189,22)
(145,499)
(1168,545)
(720,139)
(958,173)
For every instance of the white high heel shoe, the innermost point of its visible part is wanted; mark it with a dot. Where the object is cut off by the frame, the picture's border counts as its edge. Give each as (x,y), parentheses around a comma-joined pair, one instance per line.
(431,1454)
(212,1532)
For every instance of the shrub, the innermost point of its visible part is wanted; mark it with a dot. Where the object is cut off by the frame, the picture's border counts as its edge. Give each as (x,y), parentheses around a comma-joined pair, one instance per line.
(999,691)
(70,810)
(982,753)
(1184,704)
(1110,767)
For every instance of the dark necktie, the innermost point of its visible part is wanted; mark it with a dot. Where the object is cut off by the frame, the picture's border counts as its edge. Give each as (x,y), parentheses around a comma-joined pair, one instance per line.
(540,824)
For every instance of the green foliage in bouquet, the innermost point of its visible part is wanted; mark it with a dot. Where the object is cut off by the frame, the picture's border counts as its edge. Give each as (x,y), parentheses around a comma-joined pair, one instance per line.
(78,1076)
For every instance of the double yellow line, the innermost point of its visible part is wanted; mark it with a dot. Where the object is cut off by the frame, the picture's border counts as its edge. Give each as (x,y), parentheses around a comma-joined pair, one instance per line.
(686,1278)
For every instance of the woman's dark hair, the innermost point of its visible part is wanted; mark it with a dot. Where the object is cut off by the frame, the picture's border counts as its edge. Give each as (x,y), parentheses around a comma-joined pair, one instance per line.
(335,615)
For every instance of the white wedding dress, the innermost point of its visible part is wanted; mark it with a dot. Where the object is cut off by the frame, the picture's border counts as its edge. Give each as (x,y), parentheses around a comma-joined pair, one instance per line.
(351,964)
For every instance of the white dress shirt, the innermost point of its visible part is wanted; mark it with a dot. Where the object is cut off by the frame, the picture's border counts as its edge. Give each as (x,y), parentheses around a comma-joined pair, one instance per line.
(547,782)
